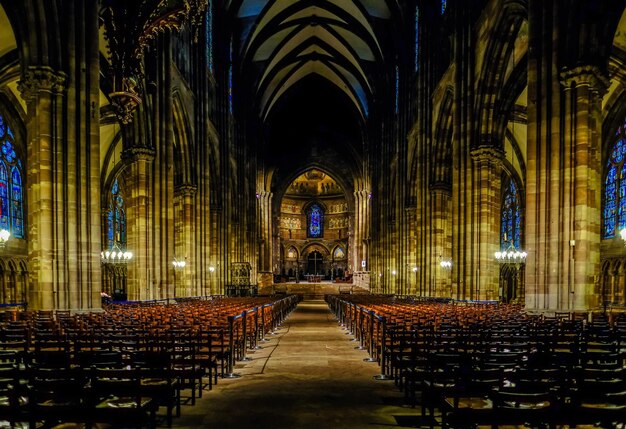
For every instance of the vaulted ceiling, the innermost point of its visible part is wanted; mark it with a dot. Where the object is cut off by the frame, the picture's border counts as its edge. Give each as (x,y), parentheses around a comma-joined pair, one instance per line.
(289,40)
(314,69)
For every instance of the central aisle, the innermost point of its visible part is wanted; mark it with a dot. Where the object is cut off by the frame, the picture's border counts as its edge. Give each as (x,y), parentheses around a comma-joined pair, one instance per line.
(308,376)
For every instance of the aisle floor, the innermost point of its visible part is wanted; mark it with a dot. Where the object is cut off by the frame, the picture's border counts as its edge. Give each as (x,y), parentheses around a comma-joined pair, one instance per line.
(308,376)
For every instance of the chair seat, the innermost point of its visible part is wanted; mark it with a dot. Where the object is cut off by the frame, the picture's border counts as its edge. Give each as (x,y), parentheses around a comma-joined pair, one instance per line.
(470,402)
(127,402)
(526,405)
(603,406)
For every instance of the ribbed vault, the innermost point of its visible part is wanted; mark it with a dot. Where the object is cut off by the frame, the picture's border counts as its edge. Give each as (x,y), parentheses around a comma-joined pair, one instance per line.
(290,40)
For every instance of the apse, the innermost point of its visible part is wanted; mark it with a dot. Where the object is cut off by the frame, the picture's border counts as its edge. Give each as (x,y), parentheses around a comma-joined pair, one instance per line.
(313,228)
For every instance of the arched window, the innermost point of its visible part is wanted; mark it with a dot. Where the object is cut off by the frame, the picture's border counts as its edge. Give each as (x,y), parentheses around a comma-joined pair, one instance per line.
(315,221)
(11,191)
(116,217)
(510,215)
(615,188)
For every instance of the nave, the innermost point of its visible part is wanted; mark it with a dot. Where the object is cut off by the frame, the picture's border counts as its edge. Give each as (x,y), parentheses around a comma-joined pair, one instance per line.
(308,375)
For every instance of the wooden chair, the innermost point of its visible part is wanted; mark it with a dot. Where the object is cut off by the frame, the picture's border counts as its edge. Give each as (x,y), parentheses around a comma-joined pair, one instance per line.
(117,397)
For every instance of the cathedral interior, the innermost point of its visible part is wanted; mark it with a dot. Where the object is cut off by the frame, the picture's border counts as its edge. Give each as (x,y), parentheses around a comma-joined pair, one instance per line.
(162,149)
(178,152)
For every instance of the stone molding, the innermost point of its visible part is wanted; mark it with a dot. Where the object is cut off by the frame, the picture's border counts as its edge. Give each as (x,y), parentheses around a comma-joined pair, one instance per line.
(488,154)
(185,191)
(139,154)
(41,78)
(585,75)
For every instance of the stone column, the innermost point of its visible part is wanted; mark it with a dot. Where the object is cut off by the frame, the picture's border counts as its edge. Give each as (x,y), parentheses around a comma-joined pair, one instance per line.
(613,283)
(411,251)
(265,257)
(441,241)
(582,134)
(217,245)
(361,229)
(141,283)
(563,170)
(487,178)
(42,89)
(185,242)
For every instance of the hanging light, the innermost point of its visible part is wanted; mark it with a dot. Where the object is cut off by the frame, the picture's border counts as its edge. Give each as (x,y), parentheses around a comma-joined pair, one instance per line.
(116,255)
(179,264)
(511,255)
(445,264)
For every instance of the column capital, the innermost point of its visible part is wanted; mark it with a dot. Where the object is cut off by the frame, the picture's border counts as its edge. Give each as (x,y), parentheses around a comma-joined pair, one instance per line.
(185,191)
(488,154)
(41,78)
(139,154)
(586,75)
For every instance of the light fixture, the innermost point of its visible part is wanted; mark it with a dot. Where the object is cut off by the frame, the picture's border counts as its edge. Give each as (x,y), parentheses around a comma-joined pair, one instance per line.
(445,264)
(179,264)
(511,255)
(4,237)
(211,269)
(622,234)
(414,269)
(115,255)
(394,272)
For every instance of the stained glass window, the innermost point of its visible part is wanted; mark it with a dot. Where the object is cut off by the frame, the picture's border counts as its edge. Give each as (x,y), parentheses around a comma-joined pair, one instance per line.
(614,212)
(208,26)
(444,3)
(116,217)
(315,217)
(4,198)
(417,38)
(16,203)
(511,215)
(11,191)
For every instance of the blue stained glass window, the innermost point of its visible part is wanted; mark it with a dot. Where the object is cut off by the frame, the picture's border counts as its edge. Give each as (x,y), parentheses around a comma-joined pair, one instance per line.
(122,226)
(16,203)
(417,38)
(444,3)
(11,190)
(116,217)
(4,198)
(511,215)
(208,26)
(110,227)
(315,217)
(614,195)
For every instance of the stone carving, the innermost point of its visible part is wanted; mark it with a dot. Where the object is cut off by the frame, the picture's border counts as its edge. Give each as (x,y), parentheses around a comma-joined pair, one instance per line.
(290,223)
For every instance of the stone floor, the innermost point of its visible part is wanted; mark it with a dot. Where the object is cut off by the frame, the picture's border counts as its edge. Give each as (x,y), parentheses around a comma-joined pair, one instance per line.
(308,376)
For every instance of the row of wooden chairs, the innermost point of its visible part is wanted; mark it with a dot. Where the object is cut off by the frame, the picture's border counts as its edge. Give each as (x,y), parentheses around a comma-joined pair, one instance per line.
(474,362)
(120,365)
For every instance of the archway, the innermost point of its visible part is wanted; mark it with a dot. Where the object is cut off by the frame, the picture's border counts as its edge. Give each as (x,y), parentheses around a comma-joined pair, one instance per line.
(314,218)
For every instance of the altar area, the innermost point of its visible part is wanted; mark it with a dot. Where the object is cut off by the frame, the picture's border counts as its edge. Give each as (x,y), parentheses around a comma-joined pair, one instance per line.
(310,289)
